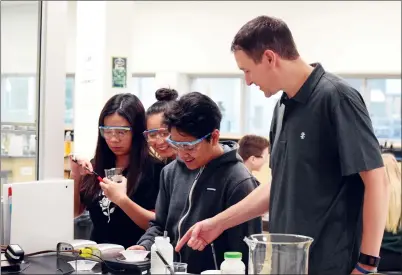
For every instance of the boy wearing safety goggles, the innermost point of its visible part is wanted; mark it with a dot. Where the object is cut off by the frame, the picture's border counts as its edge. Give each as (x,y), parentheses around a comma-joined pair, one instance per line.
(206,178)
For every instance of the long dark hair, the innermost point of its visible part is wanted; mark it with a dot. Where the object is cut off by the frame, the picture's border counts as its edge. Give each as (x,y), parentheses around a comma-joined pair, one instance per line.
(130,107)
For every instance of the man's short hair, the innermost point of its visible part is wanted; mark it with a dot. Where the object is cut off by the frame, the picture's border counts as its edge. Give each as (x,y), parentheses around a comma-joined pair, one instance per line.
(195,114)
(265,33)
(252,145)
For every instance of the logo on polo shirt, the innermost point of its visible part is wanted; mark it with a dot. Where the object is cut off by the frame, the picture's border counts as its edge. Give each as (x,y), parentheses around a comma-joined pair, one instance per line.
(302,135)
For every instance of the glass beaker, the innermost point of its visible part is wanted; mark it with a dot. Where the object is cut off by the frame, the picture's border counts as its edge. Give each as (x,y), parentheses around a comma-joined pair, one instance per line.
(180,268)
(114,174)
(278,253)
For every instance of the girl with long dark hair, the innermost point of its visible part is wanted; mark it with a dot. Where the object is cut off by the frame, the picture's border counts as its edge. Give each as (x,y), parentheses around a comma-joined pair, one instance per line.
(120,212)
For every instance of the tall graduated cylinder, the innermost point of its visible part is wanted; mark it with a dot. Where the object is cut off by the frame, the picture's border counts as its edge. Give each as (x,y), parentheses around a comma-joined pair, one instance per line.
(278,253)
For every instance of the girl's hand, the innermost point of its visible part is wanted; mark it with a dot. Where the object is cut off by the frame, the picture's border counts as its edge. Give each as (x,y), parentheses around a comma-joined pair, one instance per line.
(77,168)
(116,192)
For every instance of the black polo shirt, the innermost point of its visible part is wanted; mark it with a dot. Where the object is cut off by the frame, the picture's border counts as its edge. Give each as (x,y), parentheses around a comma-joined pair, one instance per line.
(322,138)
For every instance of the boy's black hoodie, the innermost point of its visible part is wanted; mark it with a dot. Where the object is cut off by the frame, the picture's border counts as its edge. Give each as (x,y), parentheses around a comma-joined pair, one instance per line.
(183,201)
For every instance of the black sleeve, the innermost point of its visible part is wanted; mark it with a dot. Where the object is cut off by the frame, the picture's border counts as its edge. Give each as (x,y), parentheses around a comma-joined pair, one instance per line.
(235,235)
(358,147)
(157,227)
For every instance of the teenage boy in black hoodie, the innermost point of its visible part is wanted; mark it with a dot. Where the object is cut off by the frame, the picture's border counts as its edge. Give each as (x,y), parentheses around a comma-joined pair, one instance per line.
(206,178)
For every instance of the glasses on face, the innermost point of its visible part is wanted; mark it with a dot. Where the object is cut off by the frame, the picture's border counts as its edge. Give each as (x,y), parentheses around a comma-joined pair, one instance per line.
(188,146)
(153,135)
(120,132)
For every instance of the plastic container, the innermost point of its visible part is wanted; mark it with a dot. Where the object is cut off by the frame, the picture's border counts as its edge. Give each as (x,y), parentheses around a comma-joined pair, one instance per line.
(67,144)
(233,264)
(166,249)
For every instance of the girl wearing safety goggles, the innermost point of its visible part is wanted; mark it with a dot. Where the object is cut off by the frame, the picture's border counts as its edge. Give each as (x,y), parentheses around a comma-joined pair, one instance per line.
(157,132)
(120,212)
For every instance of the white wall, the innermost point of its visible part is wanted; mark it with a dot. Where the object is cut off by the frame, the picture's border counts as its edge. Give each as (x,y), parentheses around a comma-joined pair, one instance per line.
(19,38)
(347,37)
(194,37)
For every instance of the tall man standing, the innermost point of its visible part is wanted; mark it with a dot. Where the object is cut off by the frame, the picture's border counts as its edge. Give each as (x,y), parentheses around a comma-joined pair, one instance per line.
(328,180)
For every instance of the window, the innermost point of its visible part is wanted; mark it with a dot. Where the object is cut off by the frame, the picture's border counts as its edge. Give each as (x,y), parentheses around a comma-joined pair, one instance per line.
(384,106)
(360,85)
(144,88)
(383,100)
(227,93)
(69,102)
(357,83)
(19,95)
(18,128)
(18,99)
(259,110)
(382,97)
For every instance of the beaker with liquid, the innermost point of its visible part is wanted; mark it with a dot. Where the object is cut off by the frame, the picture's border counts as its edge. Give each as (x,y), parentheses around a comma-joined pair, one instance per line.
(278,253)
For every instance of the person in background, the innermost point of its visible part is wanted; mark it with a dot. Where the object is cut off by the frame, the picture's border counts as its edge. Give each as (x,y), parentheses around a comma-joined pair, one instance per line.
(206,178)
(391,247)
(157,131)
(328,178)
(120,212)
(254,151)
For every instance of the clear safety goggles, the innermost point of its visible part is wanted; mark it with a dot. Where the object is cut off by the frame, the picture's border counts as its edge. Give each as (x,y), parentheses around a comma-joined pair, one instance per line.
(107,132)
(153,135)
(188,146)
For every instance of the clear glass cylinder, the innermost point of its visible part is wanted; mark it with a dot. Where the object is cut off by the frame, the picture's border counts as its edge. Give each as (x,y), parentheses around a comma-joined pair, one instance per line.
(278,253)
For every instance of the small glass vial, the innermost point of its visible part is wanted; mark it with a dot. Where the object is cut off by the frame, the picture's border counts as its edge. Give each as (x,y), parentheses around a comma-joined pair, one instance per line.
(233,264)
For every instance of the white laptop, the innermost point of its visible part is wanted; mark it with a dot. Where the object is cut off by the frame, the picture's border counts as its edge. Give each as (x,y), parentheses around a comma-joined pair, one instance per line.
(42,213)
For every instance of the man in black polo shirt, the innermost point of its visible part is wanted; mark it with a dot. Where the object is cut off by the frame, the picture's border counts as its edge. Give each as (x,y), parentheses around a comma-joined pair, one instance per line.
(328,180)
